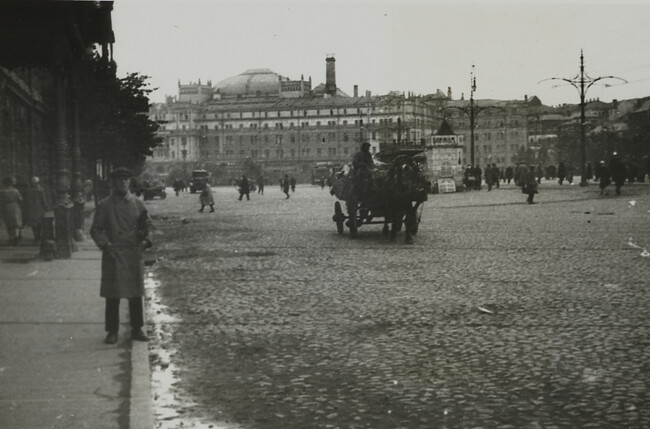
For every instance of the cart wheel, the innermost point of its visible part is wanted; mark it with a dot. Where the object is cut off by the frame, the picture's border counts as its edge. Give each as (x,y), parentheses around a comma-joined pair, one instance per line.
(338,217)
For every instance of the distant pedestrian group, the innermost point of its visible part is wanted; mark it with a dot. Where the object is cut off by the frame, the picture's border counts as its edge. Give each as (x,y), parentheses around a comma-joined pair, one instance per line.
(178,186)
(23,209)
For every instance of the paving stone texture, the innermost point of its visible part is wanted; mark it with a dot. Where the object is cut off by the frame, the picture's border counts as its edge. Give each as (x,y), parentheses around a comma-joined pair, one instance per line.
(501,315)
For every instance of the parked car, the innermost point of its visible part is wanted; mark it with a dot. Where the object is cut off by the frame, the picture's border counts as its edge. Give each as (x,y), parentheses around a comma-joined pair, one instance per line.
(150,190)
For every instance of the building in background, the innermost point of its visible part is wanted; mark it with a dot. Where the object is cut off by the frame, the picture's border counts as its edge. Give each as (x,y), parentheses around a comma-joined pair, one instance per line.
(280,124)
(283,126)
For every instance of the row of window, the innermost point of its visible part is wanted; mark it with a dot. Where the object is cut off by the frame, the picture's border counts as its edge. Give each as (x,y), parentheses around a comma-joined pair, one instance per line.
(254,154)
(499,135)
(486,124)
(304,138)
(279,138)
(279,114)
(280,153)
(181,155)
(514,147)
(280,125)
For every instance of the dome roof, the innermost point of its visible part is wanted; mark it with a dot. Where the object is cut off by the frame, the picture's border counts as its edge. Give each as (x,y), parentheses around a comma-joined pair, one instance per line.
(250,83)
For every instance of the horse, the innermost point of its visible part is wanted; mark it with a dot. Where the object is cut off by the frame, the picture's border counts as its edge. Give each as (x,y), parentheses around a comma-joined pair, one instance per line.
(396,195)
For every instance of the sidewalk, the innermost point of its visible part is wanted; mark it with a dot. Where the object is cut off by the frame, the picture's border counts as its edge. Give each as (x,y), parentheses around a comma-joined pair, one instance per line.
(55,370)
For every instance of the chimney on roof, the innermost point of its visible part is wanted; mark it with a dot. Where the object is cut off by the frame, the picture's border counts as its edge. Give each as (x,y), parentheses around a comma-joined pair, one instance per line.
(356,91)
(525,97)
(368,93)
(449,92)
(330,75)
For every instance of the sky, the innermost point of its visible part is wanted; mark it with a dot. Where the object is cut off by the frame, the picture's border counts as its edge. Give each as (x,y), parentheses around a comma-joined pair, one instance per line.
(511,47)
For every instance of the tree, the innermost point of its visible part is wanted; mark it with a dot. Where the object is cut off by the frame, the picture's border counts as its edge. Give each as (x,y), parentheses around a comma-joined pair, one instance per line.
(114,122)
(568,146)
(626,142)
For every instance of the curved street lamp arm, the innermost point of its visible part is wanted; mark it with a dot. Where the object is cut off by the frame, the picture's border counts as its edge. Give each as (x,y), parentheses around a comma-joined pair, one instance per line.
(561,78)
(604,77)
(464,109)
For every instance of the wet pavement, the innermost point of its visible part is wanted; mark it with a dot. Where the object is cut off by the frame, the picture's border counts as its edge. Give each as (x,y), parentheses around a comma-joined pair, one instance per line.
(501,315)
(55,370)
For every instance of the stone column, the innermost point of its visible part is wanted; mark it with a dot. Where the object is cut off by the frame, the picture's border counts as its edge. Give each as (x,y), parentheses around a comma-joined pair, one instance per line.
(78,198)
(63,203)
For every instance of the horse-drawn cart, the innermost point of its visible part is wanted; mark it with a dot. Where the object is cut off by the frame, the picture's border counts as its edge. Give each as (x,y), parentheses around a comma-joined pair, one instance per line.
(391,194)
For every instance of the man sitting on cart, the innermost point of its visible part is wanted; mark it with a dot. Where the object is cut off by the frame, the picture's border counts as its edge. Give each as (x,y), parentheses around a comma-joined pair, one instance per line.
(363,165)
(363,158)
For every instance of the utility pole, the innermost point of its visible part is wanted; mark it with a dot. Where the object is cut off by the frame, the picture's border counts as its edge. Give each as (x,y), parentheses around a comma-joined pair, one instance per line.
(582,82)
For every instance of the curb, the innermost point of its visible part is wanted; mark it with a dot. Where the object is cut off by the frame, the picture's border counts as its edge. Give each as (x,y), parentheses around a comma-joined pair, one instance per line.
(140,396)
(140,403)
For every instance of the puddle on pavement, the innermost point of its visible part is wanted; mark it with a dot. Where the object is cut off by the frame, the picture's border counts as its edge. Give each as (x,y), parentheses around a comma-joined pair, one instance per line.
(166,397)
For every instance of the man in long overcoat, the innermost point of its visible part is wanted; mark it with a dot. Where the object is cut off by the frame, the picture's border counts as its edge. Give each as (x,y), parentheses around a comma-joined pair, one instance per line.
(528,182)
(478,176)
(602,174)
(510,173)
(618,172)
(206,198)
(244,188)
(561,173)
(284,184)
(122,228)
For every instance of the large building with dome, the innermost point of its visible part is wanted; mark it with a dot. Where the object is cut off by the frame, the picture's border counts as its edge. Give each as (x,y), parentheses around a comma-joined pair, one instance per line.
(286,125)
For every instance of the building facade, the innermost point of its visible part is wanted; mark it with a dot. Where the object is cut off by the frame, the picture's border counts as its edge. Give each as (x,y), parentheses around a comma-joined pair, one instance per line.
(501,127)
(281,123)
(284,125)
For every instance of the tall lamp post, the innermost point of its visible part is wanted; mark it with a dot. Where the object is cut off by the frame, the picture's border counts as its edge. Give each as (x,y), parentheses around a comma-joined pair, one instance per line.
(472,114)
(472,111)
(582,82)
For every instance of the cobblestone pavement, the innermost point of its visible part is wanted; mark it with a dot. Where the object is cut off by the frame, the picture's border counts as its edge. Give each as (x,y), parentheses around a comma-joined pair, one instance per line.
(501,315)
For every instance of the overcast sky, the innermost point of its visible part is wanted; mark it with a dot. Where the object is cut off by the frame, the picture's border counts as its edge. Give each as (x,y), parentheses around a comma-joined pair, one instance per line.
(418,46)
